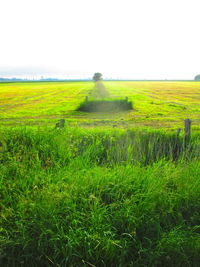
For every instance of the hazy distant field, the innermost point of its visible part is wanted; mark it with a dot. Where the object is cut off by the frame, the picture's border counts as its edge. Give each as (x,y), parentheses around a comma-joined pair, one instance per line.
(157,104)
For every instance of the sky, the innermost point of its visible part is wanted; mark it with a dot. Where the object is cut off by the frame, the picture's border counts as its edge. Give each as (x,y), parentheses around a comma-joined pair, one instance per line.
(122,39)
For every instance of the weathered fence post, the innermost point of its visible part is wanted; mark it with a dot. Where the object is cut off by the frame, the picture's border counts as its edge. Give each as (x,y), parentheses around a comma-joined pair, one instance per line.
(126,98)
(60,124)
(187,132)
(86,99)
(178,131)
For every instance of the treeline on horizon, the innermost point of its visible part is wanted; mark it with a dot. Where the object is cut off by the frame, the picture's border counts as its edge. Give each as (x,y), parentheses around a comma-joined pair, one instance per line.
(89,79)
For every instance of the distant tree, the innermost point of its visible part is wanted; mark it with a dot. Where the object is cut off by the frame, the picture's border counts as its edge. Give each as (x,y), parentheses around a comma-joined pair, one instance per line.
(97,77)
(197,78)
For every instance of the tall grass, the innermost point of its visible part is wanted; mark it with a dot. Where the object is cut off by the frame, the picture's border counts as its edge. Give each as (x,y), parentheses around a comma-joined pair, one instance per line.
(76,197)
(107,147)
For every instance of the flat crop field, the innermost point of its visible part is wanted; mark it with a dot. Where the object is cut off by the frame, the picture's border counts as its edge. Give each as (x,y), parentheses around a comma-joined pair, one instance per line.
(159,104)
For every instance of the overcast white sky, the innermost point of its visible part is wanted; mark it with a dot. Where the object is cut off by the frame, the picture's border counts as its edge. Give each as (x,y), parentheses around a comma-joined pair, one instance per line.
(138,39)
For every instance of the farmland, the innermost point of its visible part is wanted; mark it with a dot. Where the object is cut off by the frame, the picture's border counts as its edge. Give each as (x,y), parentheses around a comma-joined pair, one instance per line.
(156,104)
(108,189)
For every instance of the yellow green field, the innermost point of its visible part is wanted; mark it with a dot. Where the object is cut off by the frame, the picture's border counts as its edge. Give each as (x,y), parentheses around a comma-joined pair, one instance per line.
(156,103)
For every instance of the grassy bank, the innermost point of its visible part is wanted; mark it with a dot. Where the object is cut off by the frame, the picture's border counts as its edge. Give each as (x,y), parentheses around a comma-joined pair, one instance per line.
(78,197)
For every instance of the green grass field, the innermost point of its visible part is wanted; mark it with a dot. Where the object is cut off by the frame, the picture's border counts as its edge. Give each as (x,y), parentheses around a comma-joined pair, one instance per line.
(91,194)
(156,104)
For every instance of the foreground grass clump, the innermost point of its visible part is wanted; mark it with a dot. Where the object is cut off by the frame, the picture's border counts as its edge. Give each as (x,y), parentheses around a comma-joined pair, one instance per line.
(105,105)
(72,198)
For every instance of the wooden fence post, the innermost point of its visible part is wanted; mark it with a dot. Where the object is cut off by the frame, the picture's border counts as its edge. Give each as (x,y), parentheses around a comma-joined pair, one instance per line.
(178,131)
(126,98)
(187,130)
(86,99)
(60,124)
